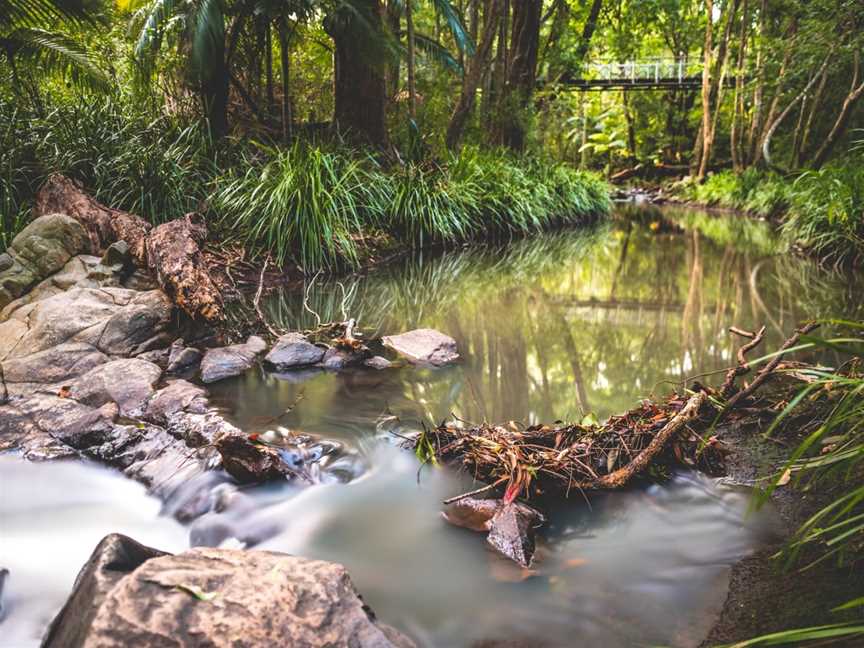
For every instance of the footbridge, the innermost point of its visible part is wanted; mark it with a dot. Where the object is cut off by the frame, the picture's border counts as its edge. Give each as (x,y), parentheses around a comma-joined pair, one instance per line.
(646,74)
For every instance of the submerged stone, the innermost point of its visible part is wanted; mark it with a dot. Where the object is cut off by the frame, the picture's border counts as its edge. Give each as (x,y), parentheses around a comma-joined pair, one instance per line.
(229,361)
(424,346)
(511,532)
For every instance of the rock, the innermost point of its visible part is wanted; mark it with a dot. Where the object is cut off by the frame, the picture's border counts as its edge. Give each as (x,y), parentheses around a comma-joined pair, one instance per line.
(378,362)
(178,396)
(248,461)
(116,321)
(293,350)
(114,557)
(40,249)
(183,359)
(511,532)
(424,346)
(4,573)
(127,382)
(472,513)
(61,363)
(335,359)
(130,595)
(233,360)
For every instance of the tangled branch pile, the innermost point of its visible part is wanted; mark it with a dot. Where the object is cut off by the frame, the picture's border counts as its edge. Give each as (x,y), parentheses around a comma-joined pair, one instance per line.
(540,460)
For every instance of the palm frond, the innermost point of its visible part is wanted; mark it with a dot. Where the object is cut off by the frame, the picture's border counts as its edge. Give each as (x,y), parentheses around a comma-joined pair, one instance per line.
(55,52)
(451,16)
(30,13)
(207,38)
(436,52)
(156,20)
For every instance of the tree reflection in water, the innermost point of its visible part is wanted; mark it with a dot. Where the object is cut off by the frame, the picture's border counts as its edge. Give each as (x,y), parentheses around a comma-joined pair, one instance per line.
(558,325)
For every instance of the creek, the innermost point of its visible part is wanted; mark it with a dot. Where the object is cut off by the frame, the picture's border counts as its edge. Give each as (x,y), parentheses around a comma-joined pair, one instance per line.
(552,327)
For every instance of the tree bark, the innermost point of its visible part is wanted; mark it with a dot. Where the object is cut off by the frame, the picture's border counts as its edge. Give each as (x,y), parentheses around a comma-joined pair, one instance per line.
(758,91)
(855,92)
(737,100)
(359,85)
(412,88)
(172,250)
(588,30)
(706,87)
(471,79)
(522,73)
(814,107)
(285,64)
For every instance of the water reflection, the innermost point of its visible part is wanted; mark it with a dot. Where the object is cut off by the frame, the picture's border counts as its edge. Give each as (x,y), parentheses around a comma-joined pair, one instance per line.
(559,325)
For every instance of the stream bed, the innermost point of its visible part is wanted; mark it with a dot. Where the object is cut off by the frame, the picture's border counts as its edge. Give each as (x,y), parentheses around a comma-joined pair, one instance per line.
(557,326)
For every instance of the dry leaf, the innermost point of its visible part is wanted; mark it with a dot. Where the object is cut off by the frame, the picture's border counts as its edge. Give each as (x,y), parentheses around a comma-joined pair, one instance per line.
(785,477)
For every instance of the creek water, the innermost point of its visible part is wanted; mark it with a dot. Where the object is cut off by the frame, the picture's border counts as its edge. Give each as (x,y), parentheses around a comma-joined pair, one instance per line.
(552,327)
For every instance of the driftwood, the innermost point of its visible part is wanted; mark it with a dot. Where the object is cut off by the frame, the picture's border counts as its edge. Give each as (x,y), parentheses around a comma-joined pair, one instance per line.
(542,460)
(171,251)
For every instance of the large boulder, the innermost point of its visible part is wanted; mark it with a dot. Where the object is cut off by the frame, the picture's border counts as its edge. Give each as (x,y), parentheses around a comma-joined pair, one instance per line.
(293,350)
(424,346)
(40,249)
(131,595)
(233,360)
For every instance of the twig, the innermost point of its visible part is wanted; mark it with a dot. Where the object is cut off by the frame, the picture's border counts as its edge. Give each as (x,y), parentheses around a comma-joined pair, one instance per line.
(306,299)
(257,301)
(482,489)
(766,370)
(743,366)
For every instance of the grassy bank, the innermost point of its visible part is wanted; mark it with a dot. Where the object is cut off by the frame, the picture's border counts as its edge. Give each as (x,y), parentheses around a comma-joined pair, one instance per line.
(315,203)
(821,212)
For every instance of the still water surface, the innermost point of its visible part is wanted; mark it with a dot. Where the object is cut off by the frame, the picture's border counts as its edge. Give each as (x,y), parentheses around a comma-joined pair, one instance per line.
(549,328)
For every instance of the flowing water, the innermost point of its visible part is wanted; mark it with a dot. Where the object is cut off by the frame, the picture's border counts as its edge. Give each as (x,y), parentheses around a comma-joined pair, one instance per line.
(554,327)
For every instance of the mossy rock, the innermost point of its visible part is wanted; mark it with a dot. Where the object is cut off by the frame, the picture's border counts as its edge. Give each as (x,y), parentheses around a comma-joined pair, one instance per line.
(40,249)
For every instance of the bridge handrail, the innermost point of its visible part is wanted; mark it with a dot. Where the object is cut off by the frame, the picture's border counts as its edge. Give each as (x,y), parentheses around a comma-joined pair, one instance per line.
(646,69)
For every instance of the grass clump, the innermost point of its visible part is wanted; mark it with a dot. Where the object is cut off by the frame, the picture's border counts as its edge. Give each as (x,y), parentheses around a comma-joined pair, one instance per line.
(763,194)
(304,202)
(827,215)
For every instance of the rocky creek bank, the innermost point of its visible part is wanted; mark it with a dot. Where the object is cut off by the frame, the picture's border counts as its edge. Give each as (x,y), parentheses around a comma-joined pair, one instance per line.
(101,357)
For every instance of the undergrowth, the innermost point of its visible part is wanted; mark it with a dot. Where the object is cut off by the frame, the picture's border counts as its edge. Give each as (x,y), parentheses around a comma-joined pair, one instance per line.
(822,212)
(309,203)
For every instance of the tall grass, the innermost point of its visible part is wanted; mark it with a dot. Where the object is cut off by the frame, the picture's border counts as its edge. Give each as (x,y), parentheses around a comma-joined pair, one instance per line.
(303,202)
(829,460)
(763,194)
(315,204)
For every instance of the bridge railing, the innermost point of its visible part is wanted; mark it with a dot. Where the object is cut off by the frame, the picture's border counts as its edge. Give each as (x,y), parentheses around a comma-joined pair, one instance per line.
(646,70)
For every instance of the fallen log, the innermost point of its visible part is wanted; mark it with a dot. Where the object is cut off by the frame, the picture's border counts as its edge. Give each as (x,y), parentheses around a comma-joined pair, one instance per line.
(171,251)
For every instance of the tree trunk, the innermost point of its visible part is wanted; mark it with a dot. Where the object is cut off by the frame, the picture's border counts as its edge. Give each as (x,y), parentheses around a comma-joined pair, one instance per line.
(214,97)
(285,64)
(737,99)
(268,62)
(588,30)
(766,141)
(706,88)
(172,250)
(359,87)
(855,92)
(715,88)
(412,88)
(758,91)
(522,76)
(394,24)
(814,107)
(770,118)
(472,76)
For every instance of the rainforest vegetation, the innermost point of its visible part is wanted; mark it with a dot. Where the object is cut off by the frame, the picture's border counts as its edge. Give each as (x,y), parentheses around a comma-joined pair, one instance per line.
(318,134)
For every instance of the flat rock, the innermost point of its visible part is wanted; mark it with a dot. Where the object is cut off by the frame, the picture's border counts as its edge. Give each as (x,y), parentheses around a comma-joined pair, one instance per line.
(131,595)
(424,346)
(129,382)
(183,359)
(232,360)
(293,350)
(248,461)
(377,362)
(177,396)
